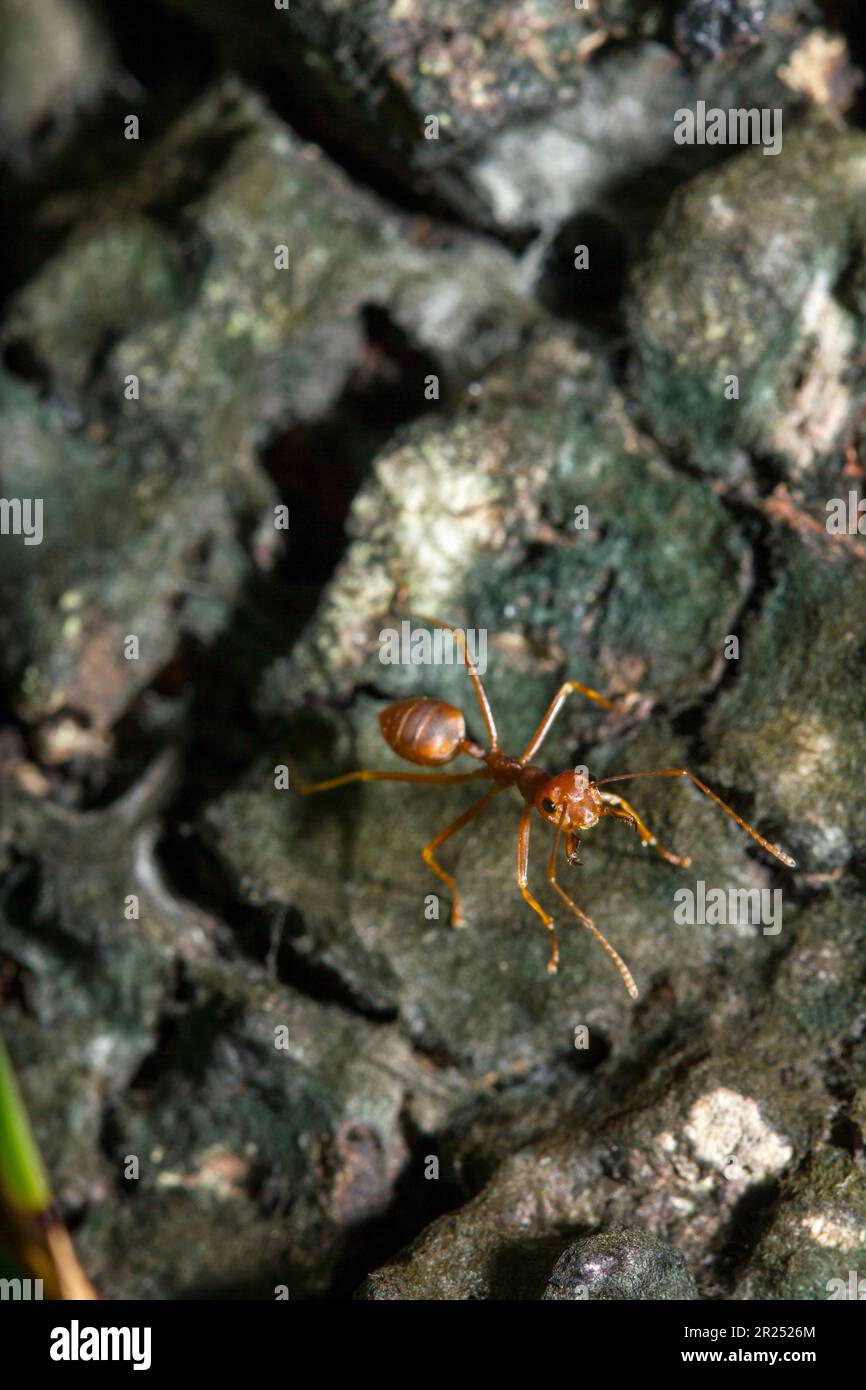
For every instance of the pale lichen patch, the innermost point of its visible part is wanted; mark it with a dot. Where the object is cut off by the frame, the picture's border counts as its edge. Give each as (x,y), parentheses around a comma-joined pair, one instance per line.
(724,1126)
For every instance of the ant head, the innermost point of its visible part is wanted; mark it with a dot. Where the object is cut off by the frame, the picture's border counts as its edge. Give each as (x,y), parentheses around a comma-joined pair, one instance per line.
(573,797)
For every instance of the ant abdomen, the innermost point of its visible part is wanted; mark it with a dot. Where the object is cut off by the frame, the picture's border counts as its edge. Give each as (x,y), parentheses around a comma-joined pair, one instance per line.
(423,730)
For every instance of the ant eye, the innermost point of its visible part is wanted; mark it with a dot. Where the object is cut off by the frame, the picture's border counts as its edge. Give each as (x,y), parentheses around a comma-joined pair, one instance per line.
(548,805)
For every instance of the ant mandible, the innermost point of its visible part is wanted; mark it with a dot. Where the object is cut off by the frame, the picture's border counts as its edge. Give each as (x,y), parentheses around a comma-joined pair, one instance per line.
(430,732)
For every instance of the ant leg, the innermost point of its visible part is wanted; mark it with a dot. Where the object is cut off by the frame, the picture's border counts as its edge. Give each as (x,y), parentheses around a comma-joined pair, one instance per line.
(617,959)
(628,813)
(559,699)
(481,693)
(457,919)
(522,865)
(366,775)
(701,786)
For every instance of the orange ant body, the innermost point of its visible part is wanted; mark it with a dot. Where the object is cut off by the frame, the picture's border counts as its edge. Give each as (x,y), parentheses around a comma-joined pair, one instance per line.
(430,733)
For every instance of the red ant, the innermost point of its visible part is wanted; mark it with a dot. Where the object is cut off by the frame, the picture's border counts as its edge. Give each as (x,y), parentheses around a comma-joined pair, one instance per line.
(430,732)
